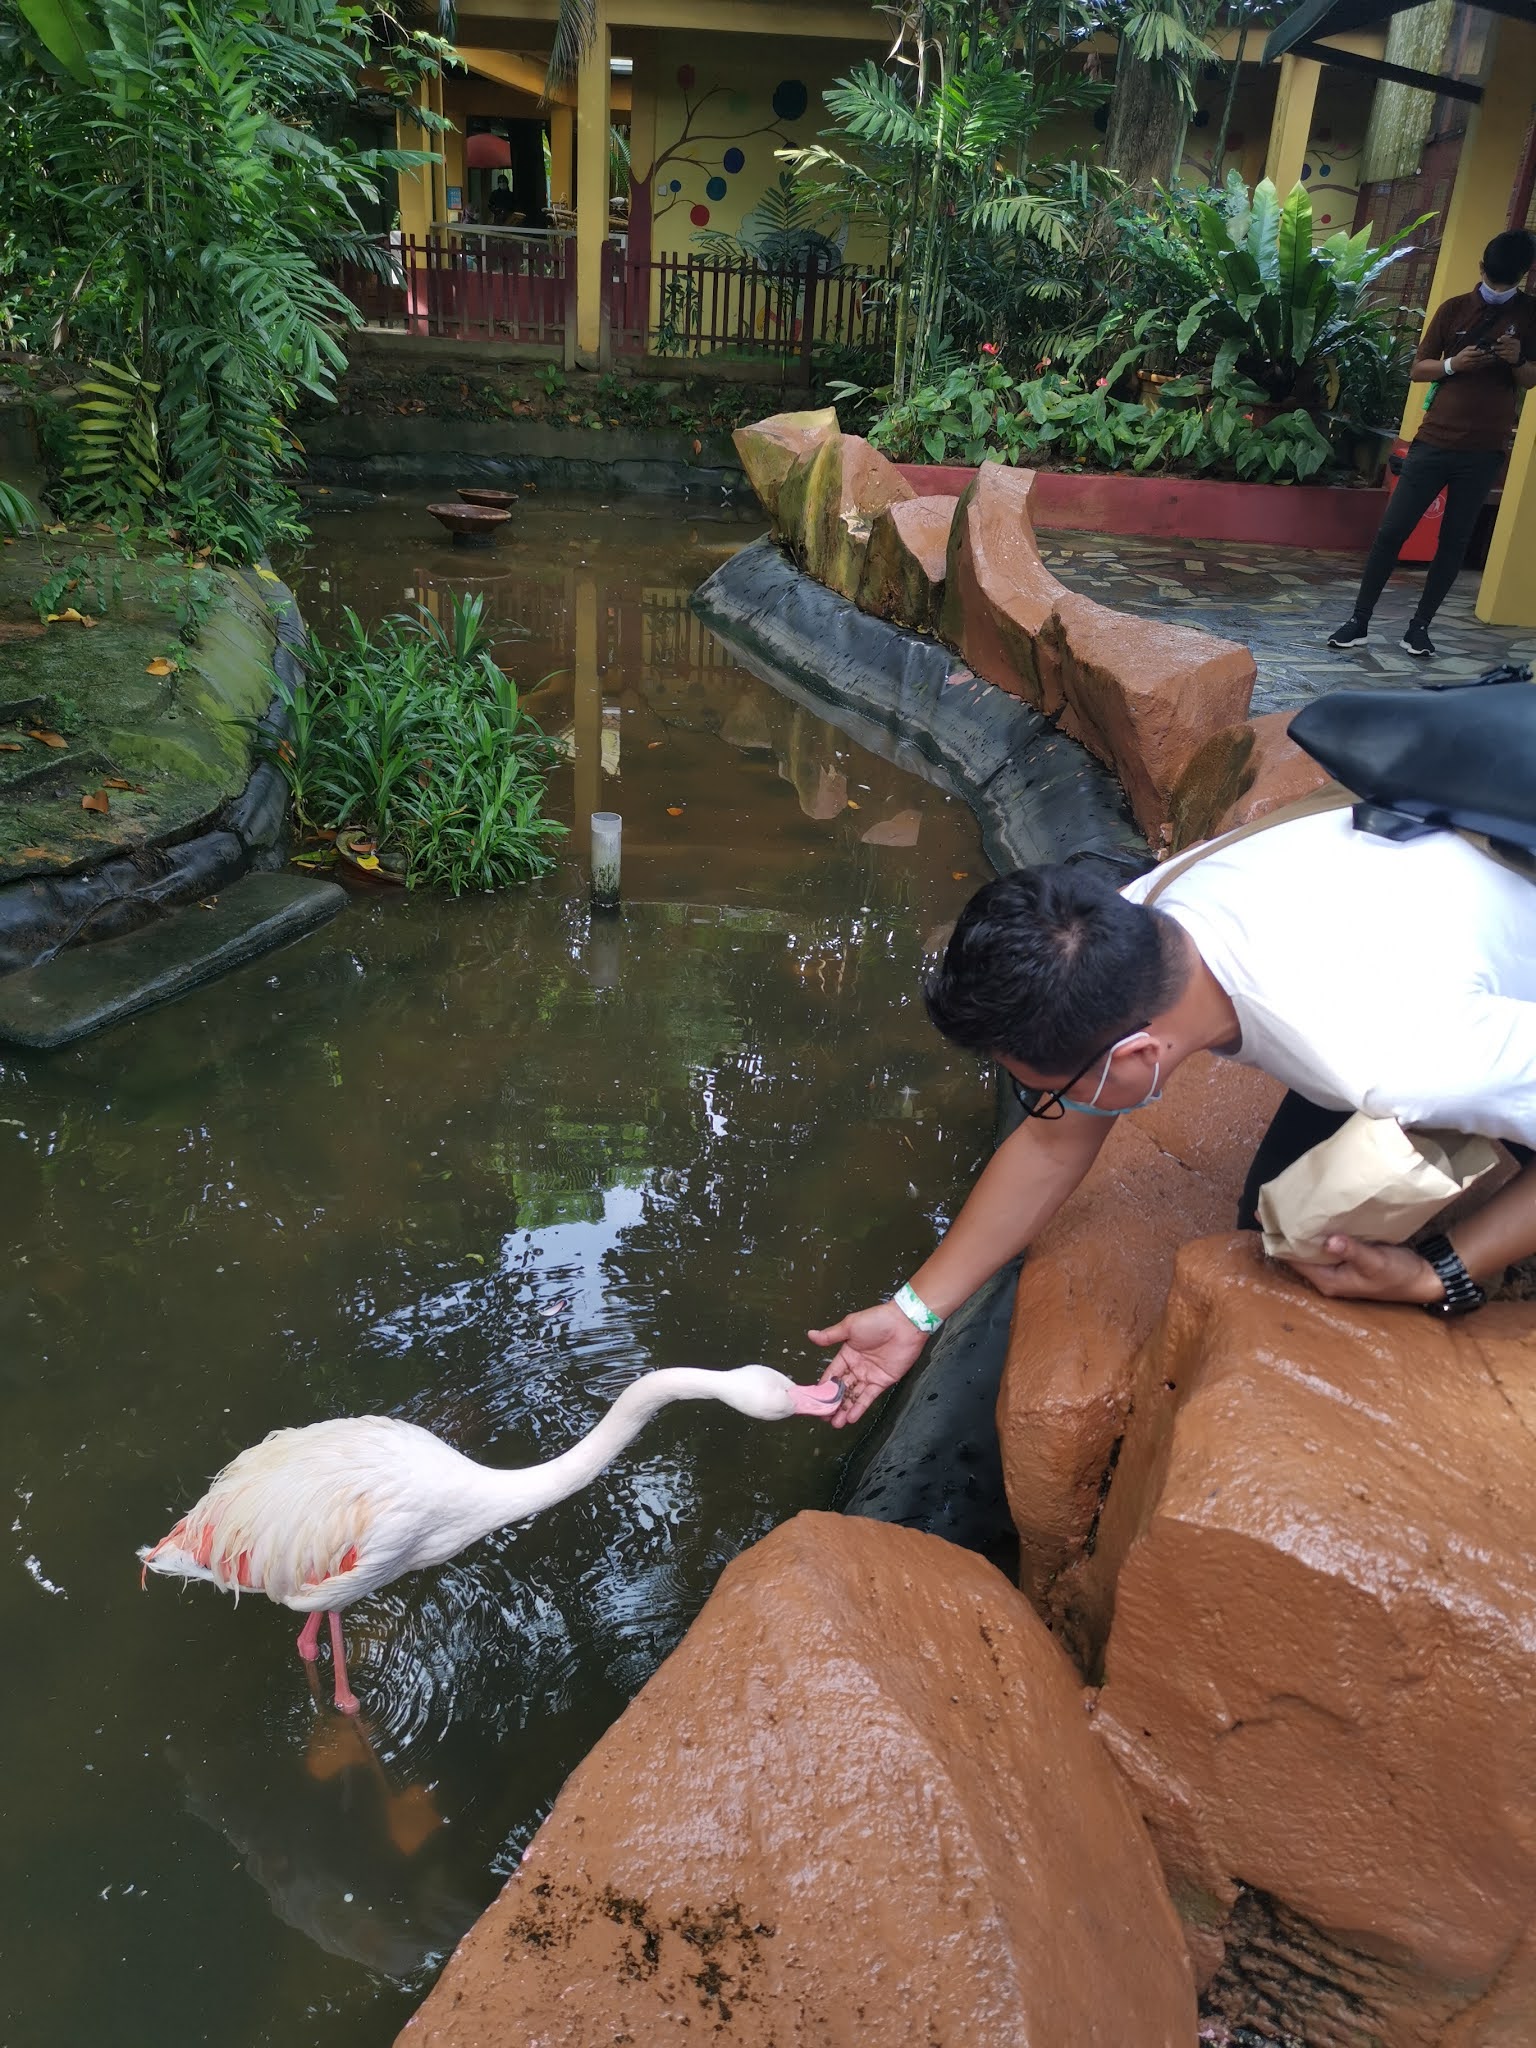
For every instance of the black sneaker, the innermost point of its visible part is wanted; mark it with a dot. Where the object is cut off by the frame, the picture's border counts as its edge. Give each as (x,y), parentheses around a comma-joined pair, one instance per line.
(1416,639)
(1353,633)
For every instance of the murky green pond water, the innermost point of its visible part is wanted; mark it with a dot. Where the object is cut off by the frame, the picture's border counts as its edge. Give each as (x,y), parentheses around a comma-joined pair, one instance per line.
(476,1164)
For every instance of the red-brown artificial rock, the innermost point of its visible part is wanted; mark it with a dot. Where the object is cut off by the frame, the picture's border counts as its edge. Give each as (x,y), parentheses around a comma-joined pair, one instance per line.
(1321,1674)
(1077,1419)
(904,565)
(1240,775)
(833,498)
(861,1803)
(1145,696)
(770,448)
(998,594)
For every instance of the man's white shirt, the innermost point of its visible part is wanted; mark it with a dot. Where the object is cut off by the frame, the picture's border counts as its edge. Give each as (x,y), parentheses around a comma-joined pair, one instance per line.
(1397,978)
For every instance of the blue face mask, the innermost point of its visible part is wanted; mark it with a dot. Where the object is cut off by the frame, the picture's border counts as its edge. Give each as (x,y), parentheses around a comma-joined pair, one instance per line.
(1091,1106)
(1493,298)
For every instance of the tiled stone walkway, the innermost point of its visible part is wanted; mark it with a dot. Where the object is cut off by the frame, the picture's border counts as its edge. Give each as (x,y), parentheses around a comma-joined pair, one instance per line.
(1284,603)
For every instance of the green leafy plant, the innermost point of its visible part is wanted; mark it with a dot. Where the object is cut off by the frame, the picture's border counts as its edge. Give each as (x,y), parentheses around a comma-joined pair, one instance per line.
(979,413)
(18,514)
(411,732)
(172,209)
(1277,309)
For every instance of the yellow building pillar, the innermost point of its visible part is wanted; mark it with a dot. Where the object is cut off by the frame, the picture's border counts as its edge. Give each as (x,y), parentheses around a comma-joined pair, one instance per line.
(592,120)
(1478,211)
(1291,128)
(415,187)
(562,156)
(1507,594)
(439,169)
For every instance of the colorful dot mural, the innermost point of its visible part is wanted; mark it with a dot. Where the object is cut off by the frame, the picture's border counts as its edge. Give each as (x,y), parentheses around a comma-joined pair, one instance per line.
(716,188)
(734,161)
(699,215)
(790,99)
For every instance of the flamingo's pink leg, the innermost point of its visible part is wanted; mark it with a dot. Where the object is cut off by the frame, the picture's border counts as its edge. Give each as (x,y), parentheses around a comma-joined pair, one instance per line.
(346,1699)
(309,1639)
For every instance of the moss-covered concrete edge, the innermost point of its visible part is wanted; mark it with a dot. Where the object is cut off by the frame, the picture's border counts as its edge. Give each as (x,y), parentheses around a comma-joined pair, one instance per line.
(238,666)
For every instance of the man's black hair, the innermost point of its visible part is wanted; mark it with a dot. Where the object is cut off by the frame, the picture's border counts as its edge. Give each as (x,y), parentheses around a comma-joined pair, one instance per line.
(1508,257)
(1051,965)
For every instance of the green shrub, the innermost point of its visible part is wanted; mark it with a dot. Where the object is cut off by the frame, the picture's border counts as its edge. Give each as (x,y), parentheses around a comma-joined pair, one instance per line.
(410,732)
(1063,421)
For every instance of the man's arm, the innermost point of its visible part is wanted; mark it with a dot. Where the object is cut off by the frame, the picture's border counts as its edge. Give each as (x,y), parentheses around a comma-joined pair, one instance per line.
(1429,368)
(1025,1182)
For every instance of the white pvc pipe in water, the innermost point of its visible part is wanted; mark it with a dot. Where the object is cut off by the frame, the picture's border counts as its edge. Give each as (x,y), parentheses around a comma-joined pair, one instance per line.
(607,833)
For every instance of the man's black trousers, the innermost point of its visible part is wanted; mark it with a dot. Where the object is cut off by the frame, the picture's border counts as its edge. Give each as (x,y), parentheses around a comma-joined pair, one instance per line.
(1466,475)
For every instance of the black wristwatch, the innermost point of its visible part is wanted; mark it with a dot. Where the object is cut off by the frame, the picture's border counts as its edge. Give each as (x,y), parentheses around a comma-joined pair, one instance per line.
(1462,1293)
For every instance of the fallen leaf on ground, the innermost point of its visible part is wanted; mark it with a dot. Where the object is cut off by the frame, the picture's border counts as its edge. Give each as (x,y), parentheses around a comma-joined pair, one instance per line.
(49,739)
(208,903)
(368,861)
(674,810)
(159,666)
(41,853)
(853,806)
(98,800)
(11,747)
(119,782)
(653,743)
(960,874)
(69,616)
(268,575)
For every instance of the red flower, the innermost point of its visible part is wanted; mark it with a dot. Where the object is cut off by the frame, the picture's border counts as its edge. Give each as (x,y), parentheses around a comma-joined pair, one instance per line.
(989,348)
(1100,383)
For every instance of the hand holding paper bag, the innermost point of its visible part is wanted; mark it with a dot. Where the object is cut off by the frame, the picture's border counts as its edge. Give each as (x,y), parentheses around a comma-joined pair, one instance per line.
(1371,1179)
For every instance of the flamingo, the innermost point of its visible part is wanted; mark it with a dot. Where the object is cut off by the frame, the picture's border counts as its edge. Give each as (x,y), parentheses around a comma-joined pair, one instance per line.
(320,1517)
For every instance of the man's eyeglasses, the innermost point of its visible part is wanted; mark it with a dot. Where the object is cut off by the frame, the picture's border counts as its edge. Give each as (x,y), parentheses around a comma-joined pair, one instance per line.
(1049,1103)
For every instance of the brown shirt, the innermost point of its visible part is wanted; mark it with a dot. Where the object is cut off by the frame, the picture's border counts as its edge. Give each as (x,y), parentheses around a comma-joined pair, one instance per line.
(1477,408)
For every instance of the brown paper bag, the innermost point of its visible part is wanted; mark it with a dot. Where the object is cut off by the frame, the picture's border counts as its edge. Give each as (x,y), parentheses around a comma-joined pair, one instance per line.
(1371,1179)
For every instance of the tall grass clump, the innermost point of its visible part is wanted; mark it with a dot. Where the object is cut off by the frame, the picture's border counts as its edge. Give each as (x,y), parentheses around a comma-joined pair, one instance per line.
(409,731)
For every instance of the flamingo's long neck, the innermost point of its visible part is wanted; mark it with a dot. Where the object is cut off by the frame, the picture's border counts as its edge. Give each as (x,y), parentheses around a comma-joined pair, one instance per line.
(528,1490)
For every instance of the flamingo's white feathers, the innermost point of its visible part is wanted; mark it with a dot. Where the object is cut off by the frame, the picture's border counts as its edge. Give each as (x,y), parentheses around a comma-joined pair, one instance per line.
(319,1517)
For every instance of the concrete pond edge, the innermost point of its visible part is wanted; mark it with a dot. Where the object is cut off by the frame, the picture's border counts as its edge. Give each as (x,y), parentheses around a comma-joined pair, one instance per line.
(933,1460)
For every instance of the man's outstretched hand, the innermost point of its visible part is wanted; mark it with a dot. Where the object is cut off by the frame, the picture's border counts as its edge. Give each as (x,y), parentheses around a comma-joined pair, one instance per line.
(878,1346)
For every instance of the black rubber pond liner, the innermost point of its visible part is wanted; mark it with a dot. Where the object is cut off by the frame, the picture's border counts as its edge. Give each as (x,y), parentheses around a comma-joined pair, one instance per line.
(932,1462)
(1037,795)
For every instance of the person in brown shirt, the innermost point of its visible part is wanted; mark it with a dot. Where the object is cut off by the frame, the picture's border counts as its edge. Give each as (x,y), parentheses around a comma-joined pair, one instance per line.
(1478,354)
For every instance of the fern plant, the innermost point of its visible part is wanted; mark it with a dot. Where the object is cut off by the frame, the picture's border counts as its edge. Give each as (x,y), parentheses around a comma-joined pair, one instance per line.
(177,240)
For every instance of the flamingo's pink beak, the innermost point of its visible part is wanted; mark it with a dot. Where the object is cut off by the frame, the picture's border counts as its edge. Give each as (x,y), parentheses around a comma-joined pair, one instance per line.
(820,1399)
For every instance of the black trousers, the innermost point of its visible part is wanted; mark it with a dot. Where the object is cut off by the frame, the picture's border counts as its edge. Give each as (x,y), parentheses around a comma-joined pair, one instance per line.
(1466,475)
(1298,1125)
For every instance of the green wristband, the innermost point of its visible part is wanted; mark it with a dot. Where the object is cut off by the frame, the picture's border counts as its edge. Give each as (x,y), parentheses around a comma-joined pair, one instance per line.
(917,1311)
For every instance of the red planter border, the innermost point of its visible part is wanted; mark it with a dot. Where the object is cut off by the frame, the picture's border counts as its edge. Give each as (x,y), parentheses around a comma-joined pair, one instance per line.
(1185,508)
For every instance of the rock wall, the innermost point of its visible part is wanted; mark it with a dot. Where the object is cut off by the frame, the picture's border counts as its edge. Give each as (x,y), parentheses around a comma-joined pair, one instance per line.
(1143,696)
(860,1804)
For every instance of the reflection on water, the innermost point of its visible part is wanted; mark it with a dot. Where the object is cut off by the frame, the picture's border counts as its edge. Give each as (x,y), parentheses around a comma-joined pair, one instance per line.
(476,1164)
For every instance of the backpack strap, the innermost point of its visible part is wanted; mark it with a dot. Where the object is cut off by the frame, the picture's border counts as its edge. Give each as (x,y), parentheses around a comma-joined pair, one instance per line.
(1333,796)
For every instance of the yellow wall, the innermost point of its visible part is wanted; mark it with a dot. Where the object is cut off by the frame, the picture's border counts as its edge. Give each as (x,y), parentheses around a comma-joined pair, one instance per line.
(714,95)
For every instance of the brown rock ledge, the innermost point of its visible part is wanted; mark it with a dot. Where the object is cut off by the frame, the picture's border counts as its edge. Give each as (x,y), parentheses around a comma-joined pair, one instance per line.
(1321,1676)
(1239,775)
(770,448)
(998,594)
(1080,1412)
(861,1803)
(904,566)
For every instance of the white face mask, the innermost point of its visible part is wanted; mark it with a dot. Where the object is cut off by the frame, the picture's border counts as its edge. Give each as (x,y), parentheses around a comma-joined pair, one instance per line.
(1091,1106)
(1493,298)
